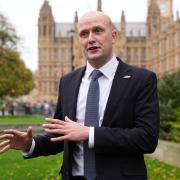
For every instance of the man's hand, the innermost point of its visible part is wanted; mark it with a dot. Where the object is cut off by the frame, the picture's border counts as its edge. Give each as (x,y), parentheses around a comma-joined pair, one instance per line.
(68,129)
(13,139)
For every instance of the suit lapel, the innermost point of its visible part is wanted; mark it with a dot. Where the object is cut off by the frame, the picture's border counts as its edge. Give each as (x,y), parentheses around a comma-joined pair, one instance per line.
(117,91)
(73,90)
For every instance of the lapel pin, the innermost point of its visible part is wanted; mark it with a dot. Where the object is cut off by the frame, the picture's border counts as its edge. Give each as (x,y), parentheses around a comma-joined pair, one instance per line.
(126,77)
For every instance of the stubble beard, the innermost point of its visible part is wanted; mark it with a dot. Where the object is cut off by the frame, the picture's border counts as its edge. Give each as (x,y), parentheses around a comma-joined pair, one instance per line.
(97,61)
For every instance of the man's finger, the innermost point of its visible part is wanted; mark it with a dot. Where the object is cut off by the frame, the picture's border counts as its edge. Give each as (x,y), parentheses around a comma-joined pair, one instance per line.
(29,131)
(54,121)
(67,119)
(4,143)
(61,138)
(6,136)
(13,131)
(52,126)
(6,148)
(54,131)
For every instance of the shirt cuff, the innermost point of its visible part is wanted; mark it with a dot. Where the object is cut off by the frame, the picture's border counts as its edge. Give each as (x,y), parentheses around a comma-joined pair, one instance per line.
(28,153)
(91,138)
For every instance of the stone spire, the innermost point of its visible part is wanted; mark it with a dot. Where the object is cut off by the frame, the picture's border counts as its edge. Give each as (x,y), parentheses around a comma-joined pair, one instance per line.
(153,18)
(123,23)
(153,7)
(99,5)
(46,24)
(177,14)
(75,21)
(123,16)
(76,17)
(46,8)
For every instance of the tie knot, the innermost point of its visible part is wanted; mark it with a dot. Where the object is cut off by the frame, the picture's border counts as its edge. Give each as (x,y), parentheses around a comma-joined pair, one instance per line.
(96,74)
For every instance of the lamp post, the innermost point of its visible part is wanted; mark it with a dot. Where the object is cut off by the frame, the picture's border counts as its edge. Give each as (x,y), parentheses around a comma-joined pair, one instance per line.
(71,35)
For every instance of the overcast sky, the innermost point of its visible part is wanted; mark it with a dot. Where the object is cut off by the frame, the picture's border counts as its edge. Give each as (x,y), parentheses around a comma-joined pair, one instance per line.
(23,14)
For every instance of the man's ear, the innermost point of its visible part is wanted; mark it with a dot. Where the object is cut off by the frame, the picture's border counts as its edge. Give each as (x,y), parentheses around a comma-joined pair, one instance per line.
(114,36)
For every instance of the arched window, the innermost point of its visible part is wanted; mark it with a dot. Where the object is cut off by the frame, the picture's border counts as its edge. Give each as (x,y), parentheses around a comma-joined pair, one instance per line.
(44,30)
(143,54)
(128,54)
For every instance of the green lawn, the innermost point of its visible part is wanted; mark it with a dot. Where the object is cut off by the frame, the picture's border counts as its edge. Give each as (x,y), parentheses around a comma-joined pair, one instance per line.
(160,171)
(21,120)
(14,167)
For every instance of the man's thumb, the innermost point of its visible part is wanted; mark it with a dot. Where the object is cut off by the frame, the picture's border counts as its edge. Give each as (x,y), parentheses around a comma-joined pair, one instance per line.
(29,131)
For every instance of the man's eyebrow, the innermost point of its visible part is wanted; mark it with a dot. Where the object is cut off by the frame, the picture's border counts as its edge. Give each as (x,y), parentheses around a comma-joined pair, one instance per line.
(83,30)
(99,27)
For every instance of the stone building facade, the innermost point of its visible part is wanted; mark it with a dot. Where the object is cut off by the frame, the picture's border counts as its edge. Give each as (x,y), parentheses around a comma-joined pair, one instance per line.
(154,44)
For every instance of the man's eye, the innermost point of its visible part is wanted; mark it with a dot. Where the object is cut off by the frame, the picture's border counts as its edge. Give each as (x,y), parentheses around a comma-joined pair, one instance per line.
(83,34)
(98,30)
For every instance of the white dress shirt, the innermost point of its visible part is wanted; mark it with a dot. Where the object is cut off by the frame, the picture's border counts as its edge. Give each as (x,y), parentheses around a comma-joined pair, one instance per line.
(105,83)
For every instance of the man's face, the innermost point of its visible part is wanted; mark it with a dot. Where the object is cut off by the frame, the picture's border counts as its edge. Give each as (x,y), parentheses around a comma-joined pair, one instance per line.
(96,38)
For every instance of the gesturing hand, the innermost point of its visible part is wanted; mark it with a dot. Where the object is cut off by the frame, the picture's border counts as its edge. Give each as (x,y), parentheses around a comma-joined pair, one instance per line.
(68,129)
(13,139)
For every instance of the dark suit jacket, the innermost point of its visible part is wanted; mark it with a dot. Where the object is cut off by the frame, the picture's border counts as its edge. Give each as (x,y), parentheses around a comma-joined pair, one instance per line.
(129,129)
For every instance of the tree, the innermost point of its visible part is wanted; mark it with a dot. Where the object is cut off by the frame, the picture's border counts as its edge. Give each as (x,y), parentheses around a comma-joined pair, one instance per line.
(169,97)
(8,36)
(15,78)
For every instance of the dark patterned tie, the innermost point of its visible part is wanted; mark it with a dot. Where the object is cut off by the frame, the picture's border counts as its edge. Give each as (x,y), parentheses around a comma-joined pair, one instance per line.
(91,119)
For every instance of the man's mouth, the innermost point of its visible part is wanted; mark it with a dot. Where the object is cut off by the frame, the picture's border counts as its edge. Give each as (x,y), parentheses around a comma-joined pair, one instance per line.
(92,48)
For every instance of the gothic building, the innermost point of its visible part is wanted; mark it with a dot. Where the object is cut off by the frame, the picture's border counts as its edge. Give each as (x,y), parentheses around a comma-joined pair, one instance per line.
(154,44)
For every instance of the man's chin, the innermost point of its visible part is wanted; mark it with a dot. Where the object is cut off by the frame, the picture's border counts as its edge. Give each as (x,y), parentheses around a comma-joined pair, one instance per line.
(94,57)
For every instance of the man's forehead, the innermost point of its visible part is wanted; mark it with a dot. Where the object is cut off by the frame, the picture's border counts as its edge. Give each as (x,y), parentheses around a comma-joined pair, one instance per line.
(93,16)
(91,25)
(92,21)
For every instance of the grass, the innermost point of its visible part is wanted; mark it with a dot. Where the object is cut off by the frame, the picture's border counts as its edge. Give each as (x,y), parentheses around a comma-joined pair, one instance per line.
(158,170)
(21,120)
(14,167)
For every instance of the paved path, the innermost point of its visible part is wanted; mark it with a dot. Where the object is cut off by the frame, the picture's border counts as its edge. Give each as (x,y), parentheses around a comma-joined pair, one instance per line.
(37,128)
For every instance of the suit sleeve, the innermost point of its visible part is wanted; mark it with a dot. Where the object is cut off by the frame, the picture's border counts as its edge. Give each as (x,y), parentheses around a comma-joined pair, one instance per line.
(43,145)
(143,136)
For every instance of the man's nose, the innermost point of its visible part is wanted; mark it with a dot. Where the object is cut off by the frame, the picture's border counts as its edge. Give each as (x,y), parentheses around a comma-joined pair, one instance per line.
(91,37)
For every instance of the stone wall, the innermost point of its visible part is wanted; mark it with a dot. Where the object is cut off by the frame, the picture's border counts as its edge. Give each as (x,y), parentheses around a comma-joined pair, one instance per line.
(168,152)
(37,128)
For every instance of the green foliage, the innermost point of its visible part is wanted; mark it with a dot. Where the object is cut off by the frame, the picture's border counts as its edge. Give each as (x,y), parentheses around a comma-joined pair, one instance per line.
(8,37)
(15,78)
(169,97)
(170,131)
(14,74)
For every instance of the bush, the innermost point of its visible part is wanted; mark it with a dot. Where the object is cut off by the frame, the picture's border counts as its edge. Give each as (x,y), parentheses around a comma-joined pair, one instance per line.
(170,131)
(169,100)
(169,97)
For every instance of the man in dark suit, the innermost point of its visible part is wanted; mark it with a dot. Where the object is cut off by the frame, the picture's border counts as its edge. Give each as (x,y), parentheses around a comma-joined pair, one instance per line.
(128,113)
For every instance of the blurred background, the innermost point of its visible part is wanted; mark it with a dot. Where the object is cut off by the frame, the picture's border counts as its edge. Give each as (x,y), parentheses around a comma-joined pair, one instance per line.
(39,44)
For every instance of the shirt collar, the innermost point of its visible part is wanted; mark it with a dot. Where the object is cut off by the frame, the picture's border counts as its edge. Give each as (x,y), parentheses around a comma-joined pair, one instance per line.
(107,69)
